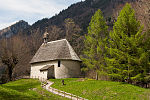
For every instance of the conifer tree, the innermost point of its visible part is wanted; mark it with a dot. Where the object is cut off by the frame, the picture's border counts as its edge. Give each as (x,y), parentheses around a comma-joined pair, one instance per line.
(94,43)
(128,56)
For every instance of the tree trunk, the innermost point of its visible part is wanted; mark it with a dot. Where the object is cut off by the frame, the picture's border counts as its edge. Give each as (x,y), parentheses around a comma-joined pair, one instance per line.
(96,75)
(10,73)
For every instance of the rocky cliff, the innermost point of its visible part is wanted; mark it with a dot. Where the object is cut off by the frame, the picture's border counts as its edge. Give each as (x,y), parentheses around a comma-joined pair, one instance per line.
(16,28)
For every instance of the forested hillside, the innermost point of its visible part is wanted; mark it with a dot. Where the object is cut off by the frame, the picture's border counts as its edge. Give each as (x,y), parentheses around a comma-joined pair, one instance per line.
(71,23)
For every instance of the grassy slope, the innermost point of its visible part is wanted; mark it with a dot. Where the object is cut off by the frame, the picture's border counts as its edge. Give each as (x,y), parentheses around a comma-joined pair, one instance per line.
(97,90)
(23,90)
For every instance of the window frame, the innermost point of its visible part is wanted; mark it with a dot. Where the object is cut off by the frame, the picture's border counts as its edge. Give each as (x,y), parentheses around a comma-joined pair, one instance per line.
(59,63)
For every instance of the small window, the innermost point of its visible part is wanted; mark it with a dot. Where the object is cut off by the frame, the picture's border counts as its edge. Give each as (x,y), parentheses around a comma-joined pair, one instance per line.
(58,63)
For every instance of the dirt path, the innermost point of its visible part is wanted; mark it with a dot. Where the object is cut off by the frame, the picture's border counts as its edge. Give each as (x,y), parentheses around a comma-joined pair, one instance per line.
(61,93)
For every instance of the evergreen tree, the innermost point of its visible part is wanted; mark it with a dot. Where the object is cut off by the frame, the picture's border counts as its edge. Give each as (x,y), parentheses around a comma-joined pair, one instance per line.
(128,55)
(94,43)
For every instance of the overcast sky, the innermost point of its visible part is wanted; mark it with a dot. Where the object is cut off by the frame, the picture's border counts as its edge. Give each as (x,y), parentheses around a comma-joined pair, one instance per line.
(12,11)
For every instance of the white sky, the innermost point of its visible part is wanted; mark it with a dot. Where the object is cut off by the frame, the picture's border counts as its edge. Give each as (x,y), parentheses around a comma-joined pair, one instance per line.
(12,11)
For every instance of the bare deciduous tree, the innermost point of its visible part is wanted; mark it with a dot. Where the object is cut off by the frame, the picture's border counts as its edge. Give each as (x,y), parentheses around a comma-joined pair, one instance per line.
(12,50)
(73,34)
(54,33)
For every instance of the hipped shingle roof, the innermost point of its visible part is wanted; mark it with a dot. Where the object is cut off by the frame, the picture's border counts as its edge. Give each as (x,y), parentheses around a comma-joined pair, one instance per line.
(55,50)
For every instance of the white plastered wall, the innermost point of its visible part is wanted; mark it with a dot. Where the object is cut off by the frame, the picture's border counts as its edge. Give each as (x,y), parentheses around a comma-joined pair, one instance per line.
(35,69)
(67,69)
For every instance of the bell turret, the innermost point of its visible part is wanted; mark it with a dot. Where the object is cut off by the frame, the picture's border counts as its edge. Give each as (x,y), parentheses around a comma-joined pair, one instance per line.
(45,36)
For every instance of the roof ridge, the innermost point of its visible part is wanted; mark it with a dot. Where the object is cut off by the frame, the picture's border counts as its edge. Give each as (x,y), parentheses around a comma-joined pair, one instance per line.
(38,51)
(71,51)
(56,41)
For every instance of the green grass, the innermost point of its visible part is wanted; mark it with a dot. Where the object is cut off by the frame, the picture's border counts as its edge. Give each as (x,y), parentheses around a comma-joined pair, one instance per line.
(102,90)
(26,89)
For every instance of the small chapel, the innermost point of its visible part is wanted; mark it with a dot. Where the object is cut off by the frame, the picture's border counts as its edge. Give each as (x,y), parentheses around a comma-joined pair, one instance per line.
(55,59)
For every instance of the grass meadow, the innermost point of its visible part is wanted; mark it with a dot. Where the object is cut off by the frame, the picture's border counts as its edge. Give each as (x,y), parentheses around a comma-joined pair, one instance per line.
(102,90)
(26,89)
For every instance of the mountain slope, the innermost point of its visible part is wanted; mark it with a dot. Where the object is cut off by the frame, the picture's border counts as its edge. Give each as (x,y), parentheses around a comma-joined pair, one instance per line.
(14,29)
(81,12)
